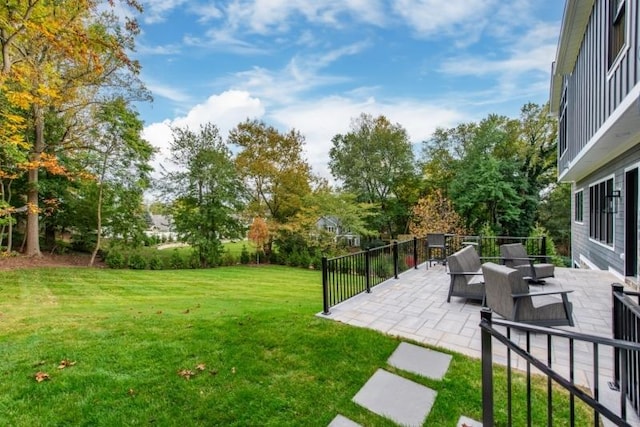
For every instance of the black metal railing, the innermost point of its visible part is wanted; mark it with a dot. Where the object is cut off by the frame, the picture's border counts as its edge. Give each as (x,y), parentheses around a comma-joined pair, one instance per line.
(501,331)
(489,246)
(626,326)
(346,276)
(349,275)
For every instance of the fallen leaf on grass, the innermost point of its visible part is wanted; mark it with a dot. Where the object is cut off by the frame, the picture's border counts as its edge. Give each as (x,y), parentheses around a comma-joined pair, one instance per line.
(201,366)
(41,376)
(213,372)
(233,370)
(186,373)
(131,392)
(186,311)
(40,363)
(65,363)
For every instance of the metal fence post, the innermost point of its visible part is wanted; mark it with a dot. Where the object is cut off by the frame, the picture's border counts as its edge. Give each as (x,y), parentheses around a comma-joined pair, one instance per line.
(487,371)
(367,269)
(616,288)
(415,252)
(395,259)
(325,286)
(544,247)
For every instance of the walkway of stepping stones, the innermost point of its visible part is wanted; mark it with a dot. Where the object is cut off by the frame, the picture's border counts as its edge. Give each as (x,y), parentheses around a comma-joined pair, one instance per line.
(403,401)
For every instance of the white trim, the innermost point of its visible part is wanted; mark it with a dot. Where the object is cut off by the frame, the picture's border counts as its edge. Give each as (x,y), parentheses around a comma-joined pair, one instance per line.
(628,102)
(580,190)
(586,261)
(611,177)
(625,48)
(617,274)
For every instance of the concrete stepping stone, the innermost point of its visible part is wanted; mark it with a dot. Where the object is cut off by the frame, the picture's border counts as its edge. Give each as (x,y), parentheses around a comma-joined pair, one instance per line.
(468,422)
(399,399)
(419,360)
(342,421)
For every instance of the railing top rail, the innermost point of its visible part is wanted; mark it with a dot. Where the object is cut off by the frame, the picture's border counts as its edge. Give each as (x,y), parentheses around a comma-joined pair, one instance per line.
(567,385)
(389,246)
(625,298)
(627,345)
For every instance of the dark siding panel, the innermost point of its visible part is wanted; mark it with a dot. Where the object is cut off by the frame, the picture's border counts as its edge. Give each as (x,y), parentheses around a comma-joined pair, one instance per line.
(602,256)
(593,94)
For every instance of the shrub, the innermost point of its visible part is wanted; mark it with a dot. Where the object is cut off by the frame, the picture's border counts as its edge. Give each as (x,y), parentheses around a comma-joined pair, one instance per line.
(228,259)
(384,267)
(115,259)
(176,261)
(137,261)
(155,263)
(244,256)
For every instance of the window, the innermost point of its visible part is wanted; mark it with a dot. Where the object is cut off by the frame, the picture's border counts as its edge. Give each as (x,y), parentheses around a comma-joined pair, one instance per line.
(562,126)
(617,29)
(600,217)
(579,206)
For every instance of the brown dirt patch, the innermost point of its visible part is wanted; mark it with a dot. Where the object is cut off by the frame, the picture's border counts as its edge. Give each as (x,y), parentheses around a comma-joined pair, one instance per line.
(47,260)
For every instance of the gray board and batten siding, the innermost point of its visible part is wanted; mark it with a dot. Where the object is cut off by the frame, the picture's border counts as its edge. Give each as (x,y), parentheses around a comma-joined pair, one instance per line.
(594,91)
(603,256)
(597,99)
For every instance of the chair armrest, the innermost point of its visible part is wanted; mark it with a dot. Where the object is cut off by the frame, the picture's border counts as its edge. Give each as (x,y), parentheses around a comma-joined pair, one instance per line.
(536,294)
(465,273)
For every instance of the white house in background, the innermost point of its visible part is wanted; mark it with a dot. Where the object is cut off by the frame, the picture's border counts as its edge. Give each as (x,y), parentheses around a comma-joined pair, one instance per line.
(332,225)
(161,226)
(595,93)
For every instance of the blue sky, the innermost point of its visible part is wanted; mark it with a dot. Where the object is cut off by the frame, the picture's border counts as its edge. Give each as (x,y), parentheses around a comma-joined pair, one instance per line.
(314,65)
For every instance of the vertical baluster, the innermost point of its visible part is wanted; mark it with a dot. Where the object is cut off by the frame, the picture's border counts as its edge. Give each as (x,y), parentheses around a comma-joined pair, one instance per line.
(572,400)
(596,376)
(549,388)
(528,381)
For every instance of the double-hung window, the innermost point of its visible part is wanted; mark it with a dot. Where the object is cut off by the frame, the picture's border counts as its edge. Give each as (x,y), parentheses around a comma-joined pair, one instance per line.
(617,29)
(600,213)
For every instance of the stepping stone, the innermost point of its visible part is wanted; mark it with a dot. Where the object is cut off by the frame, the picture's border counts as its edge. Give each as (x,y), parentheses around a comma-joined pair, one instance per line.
(342,421)
(399,399)
(419,360)
(468,422)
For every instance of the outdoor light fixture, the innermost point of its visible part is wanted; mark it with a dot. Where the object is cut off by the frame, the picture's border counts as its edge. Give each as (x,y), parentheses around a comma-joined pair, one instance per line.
(611,201)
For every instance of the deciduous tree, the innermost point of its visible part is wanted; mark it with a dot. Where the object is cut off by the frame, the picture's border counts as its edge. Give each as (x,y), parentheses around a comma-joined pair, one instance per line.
(274,171)
(206,191)
(375,161)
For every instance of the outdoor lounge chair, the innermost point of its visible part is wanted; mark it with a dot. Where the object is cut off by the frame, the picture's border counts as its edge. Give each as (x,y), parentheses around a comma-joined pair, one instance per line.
(507,293)
(515,256)
(466,274)
(436,242)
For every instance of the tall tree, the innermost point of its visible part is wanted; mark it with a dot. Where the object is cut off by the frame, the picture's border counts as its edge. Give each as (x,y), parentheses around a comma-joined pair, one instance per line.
(206,191)
(123,157)
(274,170)
(58,56)
(375,161)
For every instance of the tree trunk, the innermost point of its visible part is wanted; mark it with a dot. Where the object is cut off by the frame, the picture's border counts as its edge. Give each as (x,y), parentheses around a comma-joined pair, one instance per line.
(33,211)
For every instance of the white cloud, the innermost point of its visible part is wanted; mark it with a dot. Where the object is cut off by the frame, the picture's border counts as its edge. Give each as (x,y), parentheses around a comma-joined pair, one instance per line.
(169,92)
(155,11)
(225,110)
(459,18)
(319,121)
(276,16)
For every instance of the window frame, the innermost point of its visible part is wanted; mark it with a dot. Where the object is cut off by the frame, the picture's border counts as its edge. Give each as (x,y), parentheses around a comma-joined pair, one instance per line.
(578,206)
(618,13)
(601,220)
(563,144)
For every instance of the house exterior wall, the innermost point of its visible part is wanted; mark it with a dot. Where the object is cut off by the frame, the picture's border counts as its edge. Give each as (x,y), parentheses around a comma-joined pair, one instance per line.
(602,119)
(586,252)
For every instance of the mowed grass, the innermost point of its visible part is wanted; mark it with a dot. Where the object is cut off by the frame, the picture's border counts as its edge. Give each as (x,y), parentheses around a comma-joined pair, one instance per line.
(249,336)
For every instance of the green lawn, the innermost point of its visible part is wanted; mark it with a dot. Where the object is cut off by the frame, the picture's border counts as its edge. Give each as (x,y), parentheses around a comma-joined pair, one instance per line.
(249,335)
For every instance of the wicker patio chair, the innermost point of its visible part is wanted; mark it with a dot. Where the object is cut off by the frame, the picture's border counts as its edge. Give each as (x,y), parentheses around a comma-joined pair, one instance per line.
(507,293)
(514,255)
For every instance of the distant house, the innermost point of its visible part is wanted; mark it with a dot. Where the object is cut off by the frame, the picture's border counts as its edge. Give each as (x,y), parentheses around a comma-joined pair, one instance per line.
(161,226)
(342,235)
(595,93)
